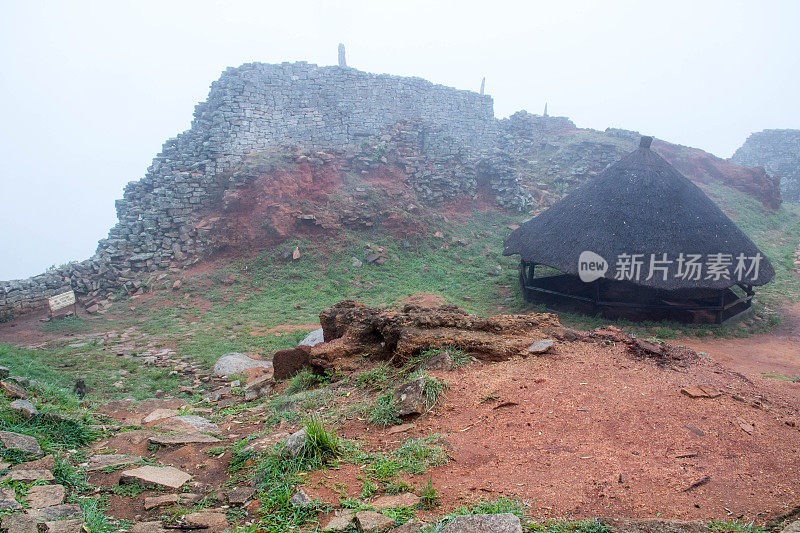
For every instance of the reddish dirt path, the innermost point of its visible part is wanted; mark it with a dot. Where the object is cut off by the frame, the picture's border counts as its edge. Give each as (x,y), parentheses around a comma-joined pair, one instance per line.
(776,352)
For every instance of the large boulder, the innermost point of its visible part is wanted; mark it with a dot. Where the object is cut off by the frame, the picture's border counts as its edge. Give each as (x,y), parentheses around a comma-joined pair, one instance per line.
(236,363)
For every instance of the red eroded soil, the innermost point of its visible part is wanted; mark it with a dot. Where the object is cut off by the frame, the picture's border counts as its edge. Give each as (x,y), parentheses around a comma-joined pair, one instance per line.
(589,431)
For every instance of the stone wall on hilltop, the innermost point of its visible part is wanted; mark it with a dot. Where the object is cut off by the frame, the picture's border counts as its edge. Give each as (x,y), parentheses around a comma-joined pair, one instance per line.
(252,108)
(778,152)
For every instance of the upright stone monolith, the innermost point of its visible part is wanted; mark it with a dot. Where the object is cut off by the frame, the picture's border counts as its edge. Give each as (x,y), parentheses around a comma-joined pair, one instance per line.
(342,60)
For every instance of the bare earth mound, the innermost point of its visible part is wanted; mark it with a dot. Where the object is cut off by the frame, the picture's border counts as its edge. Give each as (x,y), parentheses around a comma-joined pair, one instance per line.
(600,425)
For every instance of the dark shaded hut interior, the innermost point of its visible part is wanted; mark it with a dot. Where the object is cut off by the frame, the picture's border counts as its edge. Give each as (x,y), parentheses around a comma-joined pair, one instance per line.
(639,207)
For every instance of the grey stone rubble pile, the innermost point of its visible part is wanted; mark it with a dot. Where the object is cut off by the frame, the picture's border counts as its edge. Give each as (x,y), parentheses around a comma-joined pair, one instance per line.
(778,152)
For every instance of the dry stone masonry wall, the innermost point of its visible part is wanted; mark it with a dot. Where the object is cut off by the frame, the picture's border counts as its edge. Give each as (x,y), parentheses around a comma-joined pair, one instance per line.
(778,151)
(252,108)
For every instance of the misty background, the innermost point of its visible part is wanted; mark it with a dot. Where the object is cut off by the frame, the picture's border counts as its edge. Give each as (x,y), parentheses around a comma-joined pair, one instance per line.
(90,90)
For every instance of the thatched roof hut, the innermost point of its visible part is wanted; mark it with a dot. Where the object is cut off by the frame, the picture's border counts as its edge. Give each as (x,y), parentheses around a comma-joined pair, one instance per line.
(642,217)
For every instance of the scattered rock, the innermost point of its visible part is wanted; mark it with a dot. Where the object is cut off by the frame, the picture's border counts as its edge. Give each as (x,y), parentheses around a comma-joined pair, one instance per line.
(164,476)
(13,390)
(402,428)
(19,523)
(294,444)
(8,500)
(357,262)
(258,388)
(99,462)
(240,495)
(441,361)
(160,414)
(4,372)
(409,397)
(745,426)
(23,408)
(45,496)
(313,338)
(541,346)
(794,527)
(56,512)
(62,526)
(235,363)
(148,527)
(177,285)
(301,499)
(700,391)
(209,522)
(412,526)
(157,501)
(372,522)
(31,475)
(406,499)
(341,522)
(47,462)
(296,253)
(626,525)
(481,523)
(193,437)
(196,422)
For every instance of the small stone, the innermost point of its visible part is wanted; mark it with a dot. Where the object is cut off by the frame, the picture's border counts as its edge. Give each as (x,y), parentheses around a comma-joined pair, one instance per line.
(240,495)
(63,526)
(23,408)
(99,462)
(31,475)
(357,262)
(160,414)
(4,372)
(301,499)
(177,285)
(409,398)
(296,253)
(341,522)
(700,391)
(372,522)
(157,501)
(56,512)
(479,523)
(45,496)
(148,527)
(441,361)
(258,388)
(407,499)
(402,428)
(210,522)
(13,390)
(295,443)
(540,346)
(164,476)
(412,526)
(192,437)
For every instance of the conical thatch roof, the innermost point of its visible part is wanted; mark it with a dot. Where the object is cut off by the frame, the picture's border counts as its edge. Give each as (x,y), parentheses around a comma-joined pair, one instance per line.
(640,205)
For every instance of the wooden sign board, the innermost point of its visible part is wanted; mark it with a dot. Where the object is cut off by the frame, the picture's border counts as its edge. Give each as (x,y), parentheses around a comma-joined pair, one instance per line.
(60,301)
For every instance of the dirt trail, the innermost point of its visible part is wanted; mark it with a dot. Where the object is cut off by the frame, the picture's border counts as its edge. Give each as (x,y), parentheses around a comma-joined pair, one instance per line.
(777,352)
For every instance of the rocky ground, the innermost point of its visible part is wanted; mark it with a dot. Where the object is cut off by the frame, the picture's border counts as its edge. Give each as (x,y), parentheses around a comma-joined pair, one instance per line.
(429,420)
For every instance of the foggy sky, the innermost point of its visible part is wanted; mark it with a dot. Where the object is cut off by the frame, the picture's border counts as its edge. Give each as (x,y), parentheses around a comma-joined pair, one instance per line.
(90,90)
